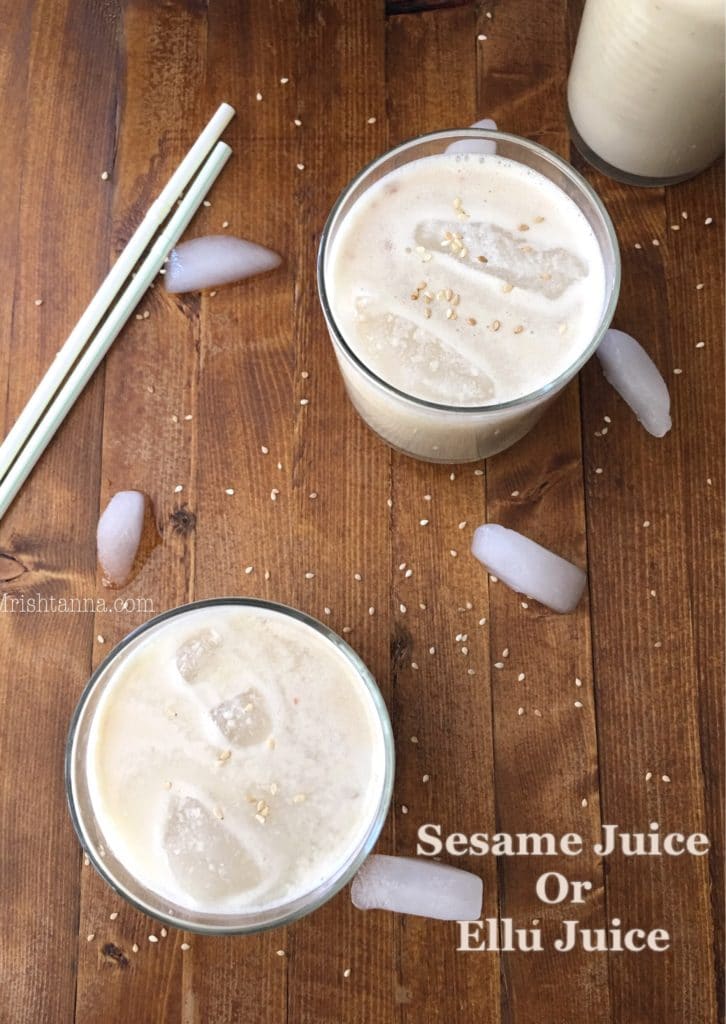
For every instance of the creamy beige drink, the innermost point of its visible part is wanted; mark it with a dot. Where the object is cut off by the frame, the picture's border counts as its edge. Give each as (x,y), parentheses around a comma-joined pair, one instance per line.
(235,760)
(461,281)
(646,89)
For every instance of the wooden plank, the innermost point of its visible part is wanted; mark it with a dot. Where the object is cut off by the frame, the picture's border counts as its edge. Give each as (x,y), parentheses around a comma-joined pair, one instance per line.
(545,753)
(53,249)
(641,538)
(148,444)
(442,694)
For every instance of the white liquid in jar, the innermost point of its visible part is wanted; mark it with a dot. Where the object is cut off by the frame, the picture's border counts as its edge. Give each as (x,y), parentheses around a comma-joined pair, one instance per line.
(646,88)
(235,760)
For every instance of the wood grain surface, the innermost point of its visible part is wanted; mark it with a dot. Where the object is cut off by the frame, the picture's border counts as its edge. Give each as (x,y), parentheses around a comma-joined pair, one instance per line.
(619,716)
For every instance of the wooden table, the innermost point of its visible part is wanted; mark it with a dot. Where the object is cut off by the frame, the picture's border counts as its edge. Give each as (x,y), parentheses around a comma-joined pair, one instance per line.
(188,397)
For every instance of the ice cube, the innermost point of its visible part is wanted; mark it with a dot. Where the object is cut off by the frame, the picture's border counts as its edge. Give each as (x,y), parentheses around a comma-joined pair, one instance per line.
(406,353)
(410,885)
(636,378)
(244,720)
(512,258)
(119,534)
(529,568)
(194,652)
(483,146)
(206,859)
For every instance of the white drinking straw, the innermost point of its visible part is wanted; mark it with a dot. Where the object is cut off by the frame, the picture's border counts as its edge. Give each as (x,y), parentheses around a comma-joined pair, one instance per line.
(119,314)
(115,280)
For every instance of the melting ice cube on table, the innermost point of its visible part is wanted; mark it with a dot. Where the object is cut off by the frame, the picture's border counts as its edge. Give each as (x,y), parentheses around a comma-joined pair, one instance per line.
(482,146)
(206,859)
(636,378)
(528,568)
(410,885)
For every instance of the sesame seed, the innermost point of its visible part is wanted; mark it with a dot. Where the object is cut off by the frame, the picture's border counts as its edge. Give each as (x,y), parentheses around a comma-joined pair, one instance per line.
(518,329)
(658,644)
(274,493)
(494,579)
(708,220)
(135,948)
(249,569)
(700,344)
(260,818)
(481,37)
(113,916)
(225,223)
(656,242)
(520,711)
(346,972)
(402,608)
(185,946)
(206,203)
(638,245)
(521,677)
(313,495)
(537,713)
(578,681)
(423,522)
(90,937)
(408,574)
(326,610)
(699,287)
(646,523)
(224,755)
(453,553)
(675,227)
(584,801)
(598,470)
(524,604)
(347,629)
(505,652)
(648,776)
(371,120)
(178,489)
(371,610)
(38,302)
(404,809)
(264,449)
(506,288)
(478,472)
(578,704)
(665,778)
(499,664)
(684,215)
(153,938)
(496,325)
(297,122)
(300,167)
(309,575)
(284,81)
(100,639)
(304,401)
(425,778)
(304,374)
(229,490)
(357,576)
(462,524)
(414,666)
(164,933)
(523,227)
(258,96)
(281,952)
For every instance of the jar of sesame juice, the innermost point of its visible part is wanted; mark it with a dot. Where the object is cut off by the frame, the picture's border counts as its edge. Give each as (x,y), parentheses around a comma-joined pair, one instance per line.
(465,277)
(646,88)
(229,766)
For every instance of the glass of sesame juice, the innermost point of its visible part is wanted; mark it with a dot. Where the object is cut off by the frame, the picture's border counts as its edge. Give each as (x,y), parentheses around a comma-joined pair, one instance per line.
(229,766)
(465,277)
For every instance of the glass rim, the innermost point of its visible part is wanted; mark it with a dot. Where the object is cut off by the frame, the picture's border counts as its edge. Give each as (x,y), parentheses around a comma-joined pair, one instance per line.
(282,914)
(456,134)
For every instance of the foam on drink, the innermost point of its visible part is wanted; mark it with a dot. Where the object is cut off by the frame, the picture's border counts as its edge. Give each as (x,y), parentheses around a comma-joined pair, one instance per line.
(466,279)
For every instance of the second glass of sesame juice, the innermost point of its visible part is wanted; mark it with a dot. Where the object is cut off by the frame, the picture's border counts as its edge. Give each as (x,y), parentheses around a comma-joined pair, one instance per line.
(465,278)
(230,765)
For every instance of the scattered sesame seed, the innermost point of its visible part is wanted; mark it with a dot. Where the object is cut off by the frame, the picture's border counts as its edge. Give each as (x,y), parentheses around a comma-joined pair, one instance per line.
(481,37)
(494,579)
(524,604)
(284,81)
(229,490)
(357,577)
(638,245)
(423,522)
(38,302)
(521,677)
(326,610)
(258,96)
(90,937)
(520,711)
(346,972)
(212,294)
(371,120)
(100,639)
(684,215)
(300,167)
(537,713)
(206,203)
(404,809)
(273,494)
(408,574)
(347,629)
(281,952)
(518,329)
(178,489)
(665,778)
(598,470)
(675,227)
(646,523)
(164,933)
(499,664)
(658,644)
(260,818)
(656,242)
(249,569)
(584,801)
(135,948)
(153,938)
(478,472)
(700,344)
(304,401)
(371,610)
(185,946)
(224,755)
(402,608)
(578,681)
(463,524)
(607,419)
(578,704)
(113,916)
(264,449)
(699,287)
(708,220)
(507,288)
(297,122)
(414,666)
(648,776)
(309,575)
(453,553)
